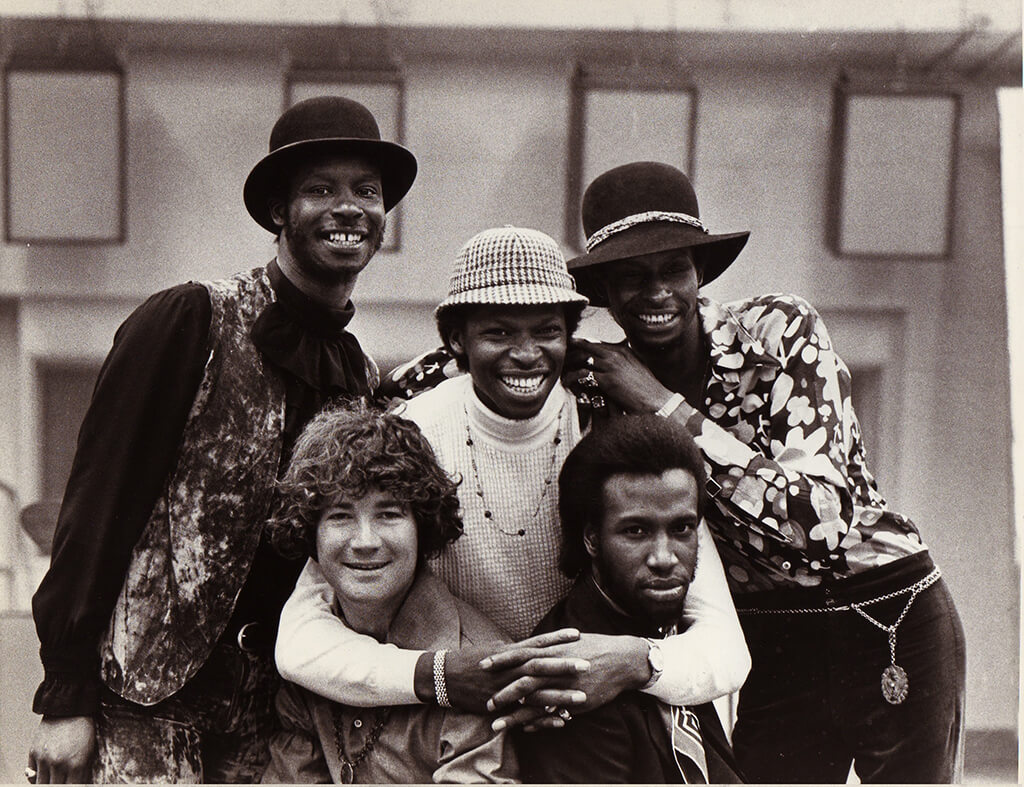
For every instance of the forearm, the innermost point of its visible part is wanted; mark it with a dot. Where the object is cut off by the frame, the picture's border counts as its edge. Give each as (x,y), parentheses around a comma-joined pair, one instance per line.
(710,658)
(316,650)
(422,373)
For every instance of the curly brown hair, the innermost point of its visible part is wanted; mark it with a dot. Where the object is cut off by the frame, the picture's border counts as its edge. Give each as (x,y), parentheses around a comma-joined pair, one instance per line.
(346,451)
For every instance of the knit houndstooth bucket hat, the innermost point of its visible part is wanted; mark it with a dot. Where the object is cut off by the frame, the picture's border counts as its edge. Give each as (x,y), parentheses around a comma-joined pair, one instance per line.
(510,265)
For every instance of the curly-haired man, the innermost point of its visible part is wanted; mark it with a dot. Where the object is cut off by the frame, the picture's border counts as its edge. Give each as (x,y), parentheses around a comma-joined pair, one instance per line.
(365,497)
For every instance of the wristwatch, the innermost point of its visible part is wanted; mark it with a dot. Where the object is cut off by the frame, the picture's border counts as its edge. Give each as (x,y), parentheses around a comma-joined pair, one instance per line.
(656,661)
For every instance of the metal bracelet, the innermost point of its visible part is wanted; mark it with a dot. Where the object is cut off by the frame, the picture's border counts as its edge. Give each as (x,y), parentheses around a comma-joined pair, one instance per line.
(440,687)
(670,406)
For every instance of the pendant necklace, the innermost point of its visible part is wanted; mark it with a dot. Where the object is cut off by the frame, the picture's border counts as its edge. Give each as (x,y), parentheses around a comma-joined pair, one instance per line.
(895,684)
(548,480)
(348,764)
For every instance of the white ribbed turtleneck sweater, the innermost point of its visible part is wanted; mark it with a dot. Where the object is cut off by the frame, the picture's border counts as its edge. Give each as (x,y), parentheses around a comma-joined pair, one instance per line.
(512,579)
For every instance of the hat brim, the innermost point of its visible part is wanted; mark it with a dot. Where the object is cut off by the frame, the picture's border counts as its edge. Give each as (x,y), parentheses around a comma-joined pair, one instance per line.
(397,171)
(712,253)
(513,295)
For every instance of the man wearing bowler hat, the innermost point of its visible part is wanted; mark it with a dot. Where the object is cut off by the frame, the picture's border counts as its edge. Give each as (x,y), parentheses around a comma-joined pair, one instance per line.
(158,613)
(857,649)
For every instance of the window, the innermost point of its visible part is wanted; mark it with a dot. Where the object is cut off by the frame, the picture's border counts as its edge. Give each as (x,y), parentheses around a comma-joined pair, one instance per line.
(64,153)
(894,159)
(632,114)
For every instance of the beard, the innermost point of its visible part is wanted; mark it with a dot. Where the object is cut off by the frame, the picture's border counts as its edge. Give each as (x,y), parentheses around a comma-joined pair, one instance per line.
(377,238)
(651,616)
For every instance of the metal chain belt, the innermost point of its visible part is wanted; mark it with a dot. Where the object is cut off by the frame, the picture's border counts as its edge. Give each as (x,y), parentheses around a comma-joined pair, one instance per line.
(895,684)
(916,588)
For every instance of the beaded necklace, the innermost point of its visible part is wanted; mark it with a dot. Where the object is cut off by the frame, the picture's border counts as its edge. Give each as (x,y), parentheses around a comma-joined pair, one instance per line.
(548,480)
(348,765)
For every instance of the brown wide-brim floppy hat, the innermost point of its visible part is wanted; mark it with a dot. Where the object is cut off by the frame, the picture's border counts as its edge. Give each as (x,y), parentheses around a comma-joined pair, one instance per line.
(326,126)
(642,208)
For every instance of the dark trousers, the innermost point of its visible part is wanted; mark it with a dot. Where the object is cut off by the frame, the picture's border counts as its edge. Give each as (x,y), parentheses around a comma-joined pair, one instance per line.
(813,705)
(215,730)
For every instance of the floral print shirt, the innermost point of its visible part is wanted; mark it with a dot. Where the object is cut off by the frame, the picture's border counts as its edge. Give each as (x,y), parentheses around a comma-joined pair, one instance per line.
(794,502)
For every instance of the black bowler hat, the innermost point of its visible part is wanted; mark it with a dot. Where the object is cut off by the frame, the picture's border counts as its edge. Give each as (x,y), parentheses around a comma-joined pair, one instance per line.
(642,208)
(326,125)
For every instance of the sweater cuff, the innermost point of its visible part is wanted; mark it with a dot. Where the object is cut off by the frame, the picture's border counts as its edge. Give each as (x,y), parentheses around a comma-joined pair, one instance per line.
(67,694)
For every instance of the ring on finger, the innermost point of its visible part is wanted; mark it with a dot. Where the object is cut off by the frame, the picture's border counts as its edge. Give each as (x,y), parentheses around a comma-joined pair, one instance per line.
(564,715)
(589,380)
(550,709)
(30,774)
(590,362)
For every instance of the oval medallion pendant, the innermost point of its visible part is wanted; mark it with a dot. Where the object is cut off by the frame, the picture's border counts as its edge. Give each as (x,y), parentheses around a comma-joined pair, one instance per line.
(348,774)
(895,684)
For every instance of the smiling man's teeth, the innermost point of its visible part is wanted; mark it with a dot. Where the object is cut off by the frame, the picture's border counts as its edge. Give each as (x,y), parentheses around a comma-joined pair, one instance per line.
(655,319)
(523,384)
(345,237)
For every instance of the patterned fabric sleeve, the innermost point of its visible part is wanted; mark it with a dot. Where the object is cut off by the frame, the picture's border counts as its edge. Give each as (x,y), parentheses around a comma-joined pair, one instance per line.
(422,373)
(796,491)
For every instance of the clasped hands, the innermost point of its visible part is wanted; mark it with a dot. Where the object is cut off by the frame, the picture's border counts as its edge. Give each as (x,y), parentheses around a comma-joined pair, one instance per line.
(534,682)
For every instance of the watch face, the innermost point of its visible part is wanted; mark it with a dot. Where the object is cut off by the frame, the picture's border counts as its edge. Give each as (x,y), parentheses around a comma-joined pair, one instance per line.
(655,658)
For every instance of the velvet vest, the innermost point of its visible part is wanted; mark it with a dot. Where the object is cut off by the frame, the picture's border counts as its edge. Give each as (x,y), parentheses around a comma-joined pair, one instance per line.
(195,551)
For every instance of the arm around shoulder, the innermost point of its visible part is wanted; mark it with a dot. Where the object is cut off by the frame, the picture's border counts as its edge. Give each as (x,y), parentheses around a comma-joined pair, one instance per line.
(316,650)
(710,659)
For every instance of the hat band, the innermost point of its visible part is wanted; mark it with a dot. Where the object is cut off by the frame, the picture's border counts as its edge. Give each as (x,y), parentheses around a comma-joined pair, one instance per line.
(642,218)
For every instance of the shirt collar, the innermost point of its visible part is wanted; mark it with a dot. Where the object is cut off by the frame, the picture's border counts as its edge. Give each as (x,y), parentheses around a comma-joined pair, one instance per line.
(518,431)
(428,618)
(313,315)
